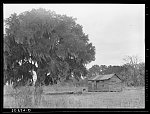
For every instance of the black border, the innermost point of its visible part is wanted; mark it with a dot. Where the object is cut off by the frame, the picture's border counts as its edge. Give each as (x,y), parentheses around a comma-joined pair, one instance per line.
(79,2)
(51,110)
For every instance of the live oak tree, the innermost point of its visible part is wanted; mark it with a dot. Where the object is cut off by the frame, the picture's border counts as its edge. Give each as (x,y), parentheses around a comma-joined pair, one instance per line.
(56,43)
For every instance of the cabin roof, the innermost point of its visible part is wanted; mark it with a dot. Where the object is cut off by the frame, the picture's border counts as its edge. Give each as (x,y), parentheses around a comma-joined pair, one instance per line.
(102,77)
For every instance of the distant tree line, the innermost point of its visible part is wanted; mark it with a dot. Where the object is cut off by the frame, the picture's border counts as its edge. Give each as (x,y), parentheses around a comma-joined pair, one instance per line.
(132,72)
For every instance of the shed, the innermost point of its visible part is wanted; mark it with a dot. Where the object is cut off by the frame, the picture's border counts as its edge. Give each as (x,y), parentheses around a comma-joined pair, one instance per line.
(109,82)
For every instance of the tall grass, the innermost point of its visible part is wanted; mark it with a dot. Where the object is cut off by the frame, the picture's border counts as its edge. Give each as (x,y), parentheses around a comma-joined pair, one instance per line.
(59,88)
(24,97)
(61,101)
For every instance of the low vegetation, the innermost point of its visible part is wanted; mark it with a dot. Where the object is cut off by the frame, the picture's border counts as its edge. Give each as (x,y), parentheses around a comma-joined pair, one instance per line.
(128,98)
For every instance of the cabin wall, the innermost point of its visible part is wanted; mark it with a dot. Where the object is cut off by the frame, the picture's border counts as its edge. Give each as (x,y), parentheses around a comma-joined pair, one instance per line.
(113,84)
(114,79)
(90,85)
(102,86)
(108,86)
(115,87)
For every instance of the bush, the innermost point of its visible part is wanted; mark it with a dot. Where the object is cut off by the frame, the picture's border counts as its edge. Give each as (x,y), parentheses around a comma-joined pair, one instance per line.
(24,97)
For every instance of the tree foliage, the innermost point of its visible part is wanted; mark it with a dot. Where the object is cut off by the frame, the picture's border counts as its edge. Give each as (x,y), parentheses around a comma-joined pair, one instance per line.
(55,42)
(135,71)
(93,71)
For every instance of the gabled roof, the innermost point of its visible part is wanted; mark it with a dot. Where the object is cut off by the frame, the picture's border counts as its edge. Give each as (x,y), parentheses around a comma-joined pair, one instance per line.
(102,77)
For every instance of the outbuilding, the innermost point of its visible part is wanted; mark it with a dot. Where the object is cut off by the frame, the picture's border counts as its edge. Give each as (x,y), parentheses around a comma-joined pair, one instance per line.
(109,82)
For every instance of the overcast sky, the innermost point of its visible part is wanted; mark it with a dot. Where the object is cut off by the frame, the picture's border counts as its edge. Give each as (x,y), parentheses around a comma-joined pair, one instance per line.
(116,30)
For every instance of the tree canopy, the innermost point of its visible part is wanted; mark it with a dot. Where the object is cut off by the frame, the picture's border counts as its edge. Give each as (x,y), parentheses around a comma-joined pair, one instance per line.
(94,70)
(55,42)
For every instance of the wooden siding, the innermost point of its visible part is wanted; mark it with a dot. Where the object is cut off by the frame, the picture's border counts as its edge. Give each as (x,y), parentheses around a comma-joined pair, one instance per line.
(112,84)
(114,79)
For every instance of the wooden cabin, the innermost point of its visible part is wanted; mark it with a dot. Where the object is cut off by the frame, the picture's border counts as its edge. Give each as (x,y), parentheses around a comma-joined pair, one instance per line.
(109,83)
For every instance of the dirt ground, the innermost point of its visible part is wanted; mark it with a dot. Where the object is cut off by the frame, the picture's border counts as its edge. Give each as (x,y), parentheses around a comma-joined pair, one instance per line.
(128,98)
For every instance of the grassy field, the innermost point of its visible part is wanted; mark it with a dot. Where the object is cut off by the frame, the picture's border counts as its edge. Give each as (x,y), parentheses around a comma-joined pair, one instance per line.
(128,98)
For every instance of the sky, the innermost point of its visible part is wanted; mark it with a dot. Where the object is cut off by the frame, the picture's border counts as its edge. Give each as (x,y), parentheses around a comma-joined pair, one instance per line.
(116,30)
